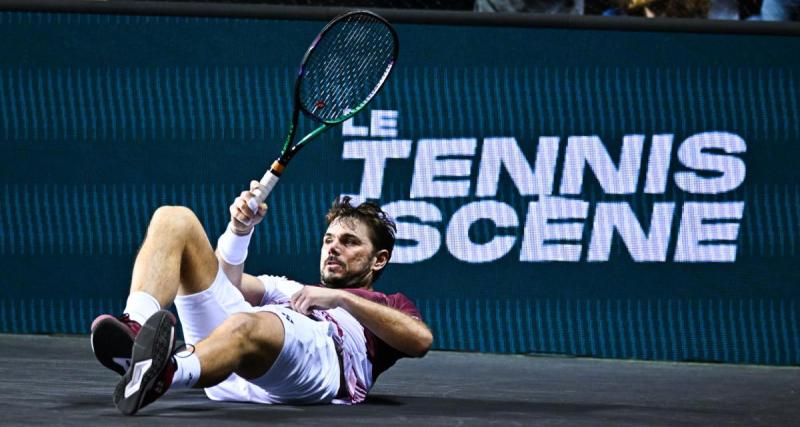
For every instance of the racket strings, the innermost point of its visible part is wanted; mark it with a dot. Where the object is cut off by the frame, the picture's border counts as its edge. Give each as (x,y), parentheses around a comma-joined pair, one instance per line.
(342,83)
(348,66)
(349,80)
(361,83)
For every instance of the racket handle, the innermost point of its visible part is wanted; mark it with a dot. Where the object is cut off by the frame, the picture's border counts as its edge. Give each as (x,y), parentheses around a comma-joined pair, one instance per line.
(267,184)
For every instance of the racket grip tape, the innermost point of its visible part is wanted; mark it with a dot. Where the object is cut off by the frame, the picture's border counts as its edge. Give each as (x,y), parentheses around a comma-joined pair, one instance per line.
(268,182)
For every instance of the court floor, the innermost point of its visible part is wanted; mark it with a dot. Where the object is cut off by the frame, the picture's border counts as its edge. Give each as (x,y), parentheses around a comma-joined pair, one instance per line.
(50,380)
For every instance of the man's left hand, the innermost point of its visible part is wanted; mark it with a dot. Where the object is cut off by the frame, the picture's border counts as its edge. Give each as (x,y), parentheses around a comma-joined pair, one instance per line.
(316,298)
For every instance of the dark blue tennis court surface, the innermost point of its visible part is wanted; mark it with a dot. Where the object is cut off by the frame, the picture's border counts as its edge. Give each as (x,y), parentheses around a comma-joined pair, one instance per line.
(56,381)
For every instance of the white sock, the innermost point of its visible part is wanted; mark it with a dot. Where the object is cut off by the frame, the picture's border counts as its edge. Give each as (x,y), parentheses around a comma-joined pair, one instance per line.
(140,306)
(188,371)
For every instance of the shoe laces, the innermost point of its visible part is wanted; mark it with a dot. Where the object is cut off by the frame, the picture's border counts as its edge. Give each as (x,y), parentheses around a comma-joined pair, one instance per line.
(133,325)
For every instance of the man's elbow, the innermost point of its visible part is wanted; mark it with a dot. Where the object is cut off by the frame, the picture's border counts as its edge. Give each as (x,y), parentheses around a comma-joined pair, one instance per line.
(422,345)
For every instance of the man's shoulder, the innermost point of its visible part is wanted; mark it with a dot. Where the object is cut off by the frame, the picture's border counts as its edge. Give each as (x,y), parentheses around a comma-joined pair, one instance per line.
(369,294)
(397,300)
(277,288)
(275,278)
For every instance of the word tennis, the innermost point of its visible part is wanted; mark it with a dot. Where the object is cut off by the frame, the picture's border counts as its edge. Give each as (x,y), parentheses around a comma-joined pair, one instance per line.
(557,224)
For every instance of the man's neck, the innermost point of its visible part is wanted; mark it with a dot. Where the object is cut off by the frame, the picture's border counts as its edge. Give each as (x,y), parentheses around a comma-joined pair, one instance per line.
(364,286)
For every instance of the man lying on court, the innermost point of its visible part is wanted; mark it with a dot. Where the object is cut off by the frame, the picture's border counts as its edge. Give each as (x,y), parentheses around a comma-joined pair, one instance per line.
(262,339)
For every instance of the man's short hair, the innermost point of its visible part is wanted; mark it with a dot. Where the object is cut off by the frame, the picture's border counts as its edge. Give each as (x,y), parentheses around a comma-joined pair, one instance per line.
(381,226)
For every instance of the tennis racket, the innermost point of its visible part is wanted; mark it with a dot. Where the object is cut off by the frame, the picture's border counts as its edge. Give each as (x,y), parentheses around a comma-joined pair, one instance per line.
(343,69)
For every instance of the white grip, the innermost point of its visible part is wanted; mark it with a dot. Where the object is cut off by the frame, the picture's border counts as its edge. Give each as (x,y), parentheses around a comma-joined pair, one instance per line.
(268,182)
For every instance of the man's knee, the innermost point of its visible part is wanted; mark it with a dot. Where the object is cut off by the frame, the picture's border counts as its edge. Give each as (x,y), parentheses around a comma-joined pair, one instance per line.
(177,228)
(239,326)
(254,328)
(258,338)
(176,219)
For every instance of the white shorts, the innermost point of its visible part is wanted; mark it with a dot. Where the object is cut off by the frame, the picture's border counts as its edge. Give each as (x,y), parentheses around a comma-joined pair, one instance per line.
(306,371)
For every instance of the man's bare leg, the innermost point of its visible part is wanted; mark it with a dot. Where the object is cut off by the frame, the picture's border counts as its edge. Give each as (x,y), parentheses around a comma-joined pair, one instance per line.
(175,258)
(246,344)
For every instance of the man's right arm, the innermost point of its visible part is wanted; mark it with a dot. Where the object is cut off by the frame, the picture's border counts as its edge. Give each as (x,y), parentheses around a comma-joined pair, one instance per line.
(232,245)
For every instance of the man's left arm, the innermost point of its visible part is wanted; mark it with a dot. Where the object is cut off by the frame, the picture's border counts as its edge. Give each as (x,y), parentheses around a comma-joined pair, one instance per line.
(401,331)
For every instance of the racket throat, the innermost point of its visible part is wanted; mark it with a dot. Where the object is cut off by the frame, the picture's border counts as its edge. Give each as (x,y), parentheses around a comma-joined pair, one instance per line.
(276,169)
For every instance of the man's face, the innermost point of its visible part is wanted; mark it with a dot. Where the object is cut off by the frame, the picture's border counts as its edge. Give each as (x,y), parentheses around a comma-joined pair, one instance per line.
(347,258)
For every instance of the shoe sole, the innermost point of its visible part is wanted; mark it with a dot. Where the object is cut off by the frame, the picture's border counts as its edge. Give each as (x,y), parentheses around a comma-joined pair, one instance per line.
(152,350)
(112,343)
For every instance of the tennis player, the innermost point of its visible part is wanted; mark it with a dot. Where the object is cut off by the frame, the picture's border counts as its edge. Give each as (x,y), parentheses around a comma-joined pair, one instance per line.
(263,339)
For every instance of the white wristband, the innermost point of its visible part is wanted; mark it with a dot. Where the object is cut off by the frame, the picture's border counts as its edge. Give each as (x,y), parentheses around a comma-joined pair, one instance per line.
(232,247)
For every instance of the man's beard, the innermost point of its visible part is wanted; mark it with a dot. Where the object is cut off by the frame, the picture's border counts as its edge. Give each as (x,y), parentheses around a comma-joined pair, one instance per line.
(346,281)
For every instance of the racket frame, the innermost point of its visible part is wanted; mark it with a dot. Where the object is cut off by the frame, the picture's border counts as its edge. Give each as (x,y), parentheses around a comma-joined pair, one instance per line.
(288,151)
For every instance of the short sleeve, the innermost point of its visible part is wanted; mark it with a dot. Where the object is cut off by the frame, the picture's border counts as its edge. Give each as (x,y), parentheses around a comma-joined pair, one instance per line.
(278,289)
(402,303)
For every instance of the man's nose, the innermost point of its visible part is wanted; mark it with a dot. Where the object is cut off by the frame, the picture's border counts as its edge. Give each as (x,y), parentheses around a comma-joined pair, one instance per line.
(333,249)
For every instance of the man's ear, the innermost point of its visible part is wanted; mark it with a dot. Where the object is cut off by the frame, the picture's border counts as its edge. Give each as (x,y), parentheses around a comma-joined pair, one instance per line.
(381,259)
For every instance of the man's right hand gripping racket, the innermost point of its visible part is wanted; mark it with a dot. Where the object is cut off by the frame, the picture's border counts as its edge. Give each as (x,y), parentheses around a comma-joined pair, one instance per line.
(342,70)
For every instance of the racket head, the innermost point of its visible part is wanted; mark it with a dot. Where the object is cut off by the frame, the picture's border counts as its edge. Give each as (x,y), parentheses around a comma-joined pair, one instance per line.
(345,66)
